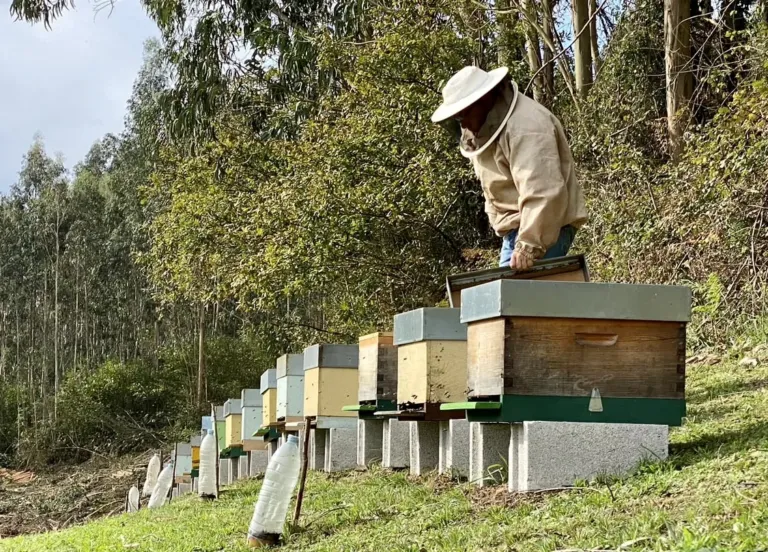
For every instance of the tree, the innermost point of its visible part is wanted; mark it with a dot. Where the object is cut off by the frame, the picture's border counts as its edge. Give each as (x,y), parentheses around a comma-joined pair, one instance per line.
(677,53)
(583,51)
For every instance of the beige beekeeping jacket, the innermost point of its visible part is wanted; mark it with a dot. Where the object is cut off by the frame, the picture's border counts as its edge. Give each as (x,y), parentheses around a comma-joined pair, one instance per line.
(526,171)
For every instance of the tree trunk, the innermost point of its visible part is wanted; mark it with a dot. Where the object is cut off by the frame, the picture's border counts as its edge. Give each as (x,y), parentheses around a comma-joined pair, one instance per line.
(201,357)
(596,61)
(583,51)
(677,53)
(56,367)
(533,49)
(548,72)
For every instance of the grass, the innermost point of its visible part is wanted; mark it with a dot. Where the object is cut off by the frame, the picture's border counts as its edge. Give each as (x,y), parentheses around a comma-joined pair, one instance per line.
(711,494)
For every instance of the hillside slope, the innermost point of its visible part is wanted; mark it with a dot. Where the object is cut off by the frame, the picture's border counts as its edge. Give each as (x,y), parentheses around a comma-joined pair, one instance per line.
(711,494)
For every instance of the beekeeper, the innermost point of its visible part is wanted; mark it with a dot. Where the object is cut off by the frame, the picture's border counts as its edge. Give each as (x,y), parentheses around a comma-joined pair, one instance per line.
(520,154)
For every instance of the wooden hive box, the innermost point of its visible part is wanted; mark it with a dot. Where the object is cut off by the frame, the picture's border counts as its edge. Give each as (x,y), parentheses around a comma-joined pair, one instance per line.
(566,269)
(221,428)
(578,352)
(195,442)
(207,424)
(431,360)
(290,388)
(377,374)
(233,418)
(183,466)
(330,379)
(268,397)
(252,404)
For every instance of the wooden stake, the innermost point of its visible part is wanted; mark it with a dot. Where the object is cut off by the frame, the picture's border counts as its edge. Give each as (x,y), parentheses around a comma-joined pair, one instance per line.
(304,465)
(173,466)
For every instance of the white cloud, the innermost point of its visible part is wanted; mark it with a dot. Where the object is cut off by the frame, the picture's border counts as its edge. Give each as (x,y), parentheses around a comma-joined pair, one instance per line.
(70,84)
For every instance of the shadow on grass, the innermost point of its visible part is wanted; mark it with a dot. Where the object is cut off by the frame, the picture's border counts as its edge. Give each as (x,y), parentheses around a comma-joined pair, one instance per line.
(719,389)
(709,445)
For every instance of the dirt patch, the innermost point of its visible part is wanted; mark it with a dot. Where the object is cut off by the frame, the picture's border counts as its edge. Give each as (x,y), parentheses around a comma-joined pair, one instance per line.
(35,502)
(499,496)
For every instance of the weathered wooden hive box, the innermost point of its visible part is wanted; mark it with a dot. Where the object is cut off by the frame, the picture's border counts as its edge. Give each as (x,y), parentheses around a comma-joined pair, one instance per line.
(233,419)
(252,403)
(578,352)
(431,361)
(183,466)
(221,428)
(377,375)
(290,388)
(330,379)
(564,269)
(268,397)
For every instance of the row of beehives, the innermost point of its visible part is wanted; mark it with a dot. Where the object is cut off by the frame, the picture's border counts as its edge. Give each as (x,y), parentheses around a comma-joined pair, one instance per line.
(516,351)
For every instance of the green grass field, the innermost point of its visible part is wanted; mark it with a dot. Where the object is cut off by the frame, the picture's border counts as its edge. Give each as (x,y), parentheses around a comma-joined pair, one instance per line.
(712,494)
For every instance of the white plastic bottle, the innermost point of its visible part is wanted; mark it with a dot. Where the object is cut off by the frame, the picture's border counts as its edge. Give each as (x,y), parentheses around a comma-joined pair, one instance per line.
(132,503)
(153,470)
(162,487)
(275,495)
(206,486)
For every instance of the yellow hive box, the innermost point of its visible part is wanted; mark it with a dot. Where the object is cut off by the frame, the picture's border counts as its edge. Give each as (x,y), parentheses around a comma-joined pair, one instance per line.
(269,397)
(330,379)
(233,423)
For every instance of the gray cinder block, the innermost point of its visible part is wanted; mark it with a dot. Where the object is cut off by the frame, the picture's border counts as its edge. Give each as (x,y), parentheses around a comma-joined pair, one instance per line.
(454,448)
(396,452)
(488,446)
(317,440)
(370,436)
(340,449)
(185,488)
(257,460)
(224,471)
(242,467)
(234,469)
(544,455)
(424,446)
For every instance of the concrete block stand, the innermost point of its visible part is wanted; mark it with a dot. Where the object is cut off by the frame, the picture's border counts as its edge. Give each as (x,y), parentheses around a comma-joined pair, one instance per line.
(454,448)
(234,469)
(370,438)
(488,446)
(242,467)
(545,455)
(185,488)
(272,447)
(317,440)
(424,447)
(257,462)
(224,471)
(340,449)
(396,444)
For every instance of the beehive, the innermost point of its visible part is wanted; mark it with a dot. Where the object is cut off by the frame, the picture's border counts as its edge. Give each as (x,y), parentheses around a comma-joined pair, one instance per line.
(269,397)
(233,418)
(195,443)
(330,379)
(431,359)
(221,428)
(377,377)
(561,351)
(183,466)
(290,388)
(252,404)
(207,424)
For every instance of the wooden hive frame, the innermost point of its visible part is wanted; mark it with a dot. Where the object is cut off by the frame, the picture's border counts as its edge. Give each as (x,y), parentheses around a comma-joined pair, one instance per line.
(330,380)
(377,375)
(290,388)
(431,362)
(578,352)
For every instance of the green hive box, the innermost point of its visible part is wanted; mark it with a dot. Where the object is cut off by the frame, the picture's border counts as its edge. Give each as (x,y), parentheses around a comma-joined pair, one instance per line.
(575,352)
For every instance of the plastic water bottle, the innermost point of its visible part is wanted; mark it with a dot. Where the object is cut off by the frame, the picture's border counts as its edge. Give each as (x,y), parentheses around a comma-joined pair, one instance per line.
(162,487)
(206,486)
(275,495)
(132,503)
(153,470)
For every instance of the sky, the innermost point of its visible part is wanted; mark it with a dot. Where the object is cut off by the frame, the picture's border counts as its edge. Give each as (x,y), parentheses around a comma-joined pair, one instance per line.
(69,84)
